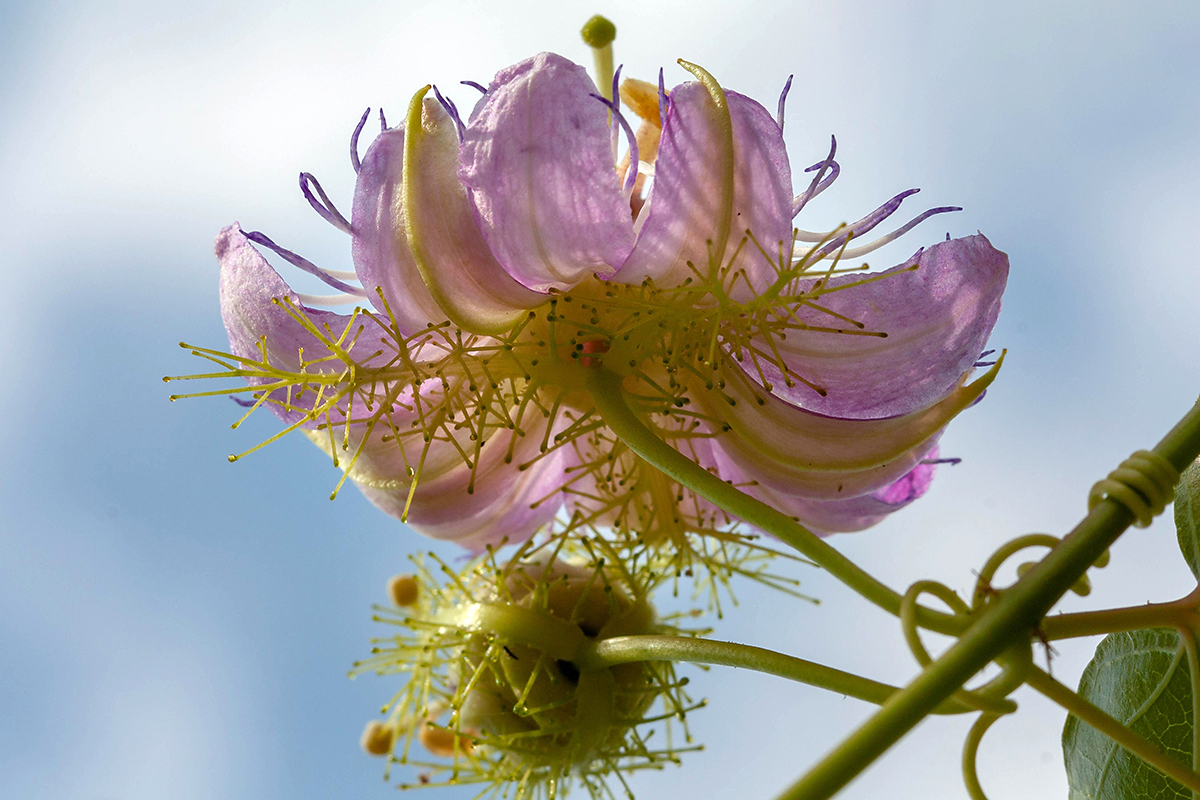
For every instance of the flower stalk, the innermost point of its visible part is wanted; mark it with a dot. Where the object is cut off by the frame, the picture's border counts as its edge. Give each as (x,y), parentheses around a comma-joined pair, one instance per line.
(609,397)
(633,649)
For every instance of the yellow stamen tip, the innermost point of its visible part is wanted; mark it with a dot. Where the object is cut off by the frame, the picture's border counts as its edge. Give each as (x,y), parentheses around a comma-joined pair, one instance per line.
(377,738)
(441,742)
(403,589)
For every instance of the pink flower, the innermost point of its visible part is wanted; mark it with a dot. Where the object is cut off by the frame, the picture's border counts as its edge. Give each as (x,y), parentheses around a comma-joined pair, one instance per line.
(507,253)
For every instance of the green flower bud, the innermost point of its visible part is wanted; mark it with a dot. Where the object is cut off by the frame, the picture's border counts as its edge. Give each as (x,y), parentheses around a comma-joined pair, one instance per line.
(501,685)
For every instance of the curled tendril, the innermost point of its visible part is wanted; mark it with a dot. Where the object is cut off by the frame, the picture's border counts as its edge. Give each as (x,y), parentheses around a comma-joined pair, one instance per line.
(1144,484)
(908,614)
(984,590)
(970,749)
(992,696)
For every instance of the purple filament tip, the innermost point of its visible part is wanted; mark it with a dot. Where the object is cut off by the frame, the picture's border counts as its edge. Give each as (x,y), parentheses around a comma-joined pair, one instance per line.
(303,263)
(619,119)
(354,160)
(783,100)
(819,182)
(325,206)
(662,100)
(867,223)
(475,85)
(452,110)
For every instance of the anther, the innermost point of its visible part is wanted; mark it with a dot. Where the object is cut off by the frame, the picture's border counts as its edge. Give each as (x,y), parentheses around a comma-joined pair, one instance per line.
(441,742)
(377,738)
(404,590)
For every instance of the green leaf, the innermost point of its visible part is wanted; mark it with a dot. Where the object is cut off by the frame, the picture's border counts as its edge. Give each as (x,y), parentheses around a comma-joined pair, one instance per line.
(1187,516)
(1142,679)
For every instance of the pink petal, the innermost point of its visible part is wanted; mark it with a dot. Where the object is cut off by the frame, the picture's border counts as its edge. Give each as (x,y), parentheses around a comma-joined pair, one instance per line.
(249,288)
(851,514)
(538,161)
(459,269)
(379,247)
(937,320)
(503,502)
(496,501)
(796,452)
(684,211)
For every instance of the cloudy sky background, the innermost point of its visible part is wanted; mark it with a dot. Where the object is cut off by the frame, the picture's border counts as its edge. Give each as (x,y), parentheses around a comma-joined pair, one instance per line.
(173,625)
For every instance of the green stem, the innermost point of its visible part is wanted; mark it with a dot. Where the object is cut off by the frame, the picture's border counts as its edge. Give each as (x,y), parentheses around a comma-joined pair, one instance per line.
(628,649)
(609,397)
(1132,618)
(1113,729)
(1008,621)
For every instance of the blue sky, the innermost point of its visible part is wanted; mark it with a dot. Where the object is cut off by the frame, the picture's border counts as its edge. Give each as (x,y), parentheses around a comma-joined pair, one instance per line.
(171,624)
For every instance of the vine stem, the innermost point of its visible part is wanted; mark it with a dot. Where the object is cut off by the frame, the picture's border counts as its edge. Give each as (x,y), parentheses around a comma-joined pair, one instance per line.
(1112,728)
(627,649)
(1008,621)
(1177,613)
(605,388)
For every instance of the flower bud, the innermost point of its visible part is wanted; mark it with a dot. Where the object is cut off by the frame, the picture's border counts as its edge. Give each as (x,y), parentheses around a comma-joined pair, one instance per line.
(501,680)
(532,697)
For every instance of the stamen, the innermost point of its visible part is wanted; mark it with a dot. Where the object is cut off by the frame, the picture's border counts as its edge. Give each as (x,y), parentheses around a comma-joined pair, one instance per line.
(855,252)
(616,87)
(619,119)
(614,104)
(304,264)
(782,100)
(452,110)
(328,299)
(325,207)
(819,182)
(354,160)
(866,223)
(382,121)
(482,89)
